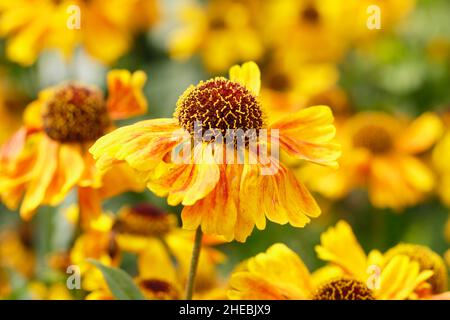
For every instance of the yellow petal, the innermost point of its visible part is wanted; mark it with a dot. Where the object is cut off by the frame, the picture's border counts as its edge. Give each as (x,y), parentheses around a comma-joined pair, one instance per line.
(308,133)
(421,134)
(278,273)
(339,246)
(248,75)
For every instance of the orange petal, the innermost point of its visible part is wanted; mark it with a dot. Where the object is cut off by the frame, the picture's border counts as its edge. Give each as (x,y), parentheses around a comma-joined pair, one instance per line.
(307,135)
(186,183)
(68,172)
(141,145)
(43,171)
(125,98)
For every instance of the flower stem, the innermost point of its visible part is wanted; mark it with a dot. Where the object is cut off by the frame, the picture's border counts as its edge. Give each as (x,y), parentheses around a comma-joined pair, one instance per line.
(194,263)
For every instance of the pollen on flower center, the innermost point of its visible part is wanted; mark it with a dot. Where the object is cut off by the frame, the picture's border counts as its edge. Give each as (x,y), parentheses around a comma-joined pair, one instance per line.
(374,138)
(219,104)
(76,113)
(427,259)
(343,289)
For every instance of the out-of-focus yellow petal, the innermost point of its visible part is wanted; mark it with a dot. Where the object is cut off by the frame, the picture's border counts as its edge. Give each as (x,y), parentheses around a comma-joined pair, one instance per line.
(248,75)
(421,134)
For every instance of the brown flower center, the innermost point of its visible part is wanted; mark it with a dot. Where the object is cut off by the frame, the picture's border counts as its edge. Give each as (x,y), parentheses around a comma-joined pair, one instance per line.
(343,289)
(374,138)
(76,113)
(310,14)
(145,220)
(219,104)
(427,259)
(158,289)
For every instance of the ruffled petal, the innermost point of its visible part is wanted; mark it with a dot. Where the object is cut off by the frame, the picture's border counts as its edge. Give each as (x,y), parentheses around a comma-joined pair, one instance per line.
(307,135)
(248,75)
(339,246)
(142,145)
(125,96)
(186,183)
(278,274)
(244,197)
(217,212)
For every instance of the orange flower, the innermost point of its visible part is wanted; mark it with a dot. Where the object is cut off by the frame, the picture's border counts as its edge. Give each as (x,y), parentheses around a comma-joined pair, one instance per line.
(48,156)
(225,199)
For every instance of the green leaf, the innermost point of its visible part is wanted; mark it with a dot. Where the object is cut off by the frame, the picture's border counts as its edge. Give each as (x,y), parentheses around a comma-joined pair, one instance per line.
(119,282)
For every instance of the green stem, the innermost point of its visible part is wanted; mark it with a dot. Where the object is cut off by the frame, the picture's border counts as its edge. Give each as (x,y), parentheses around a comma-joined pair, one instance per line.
(194,263)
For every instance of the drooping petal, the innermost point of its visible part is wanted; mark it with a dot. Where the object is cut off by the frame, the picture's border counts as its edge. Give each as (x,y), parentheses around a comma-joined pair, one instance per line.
(69,168)
(186,183)
(307,135)
(141,145)
(42,175)
(243,197)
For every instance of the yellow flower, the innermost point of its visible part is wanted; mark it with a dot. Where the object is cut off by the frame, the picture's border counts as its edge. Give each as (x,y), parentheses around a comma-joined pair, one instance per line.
(395,275)
(48,156)
(164,250)
(223,198)
(16,252)
(99,243)
(223,33)
(280,273)
(306,30)
(106,29)
(289,86)
(427,259)
(381,153)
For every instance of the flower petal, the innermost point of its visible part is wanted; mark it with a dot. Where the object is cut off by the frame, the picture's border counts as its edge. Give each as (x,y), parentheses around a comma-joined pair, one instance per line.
(339,246)
(278,273)
(421,134)
(307,133)
(125,96)
(248,75)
